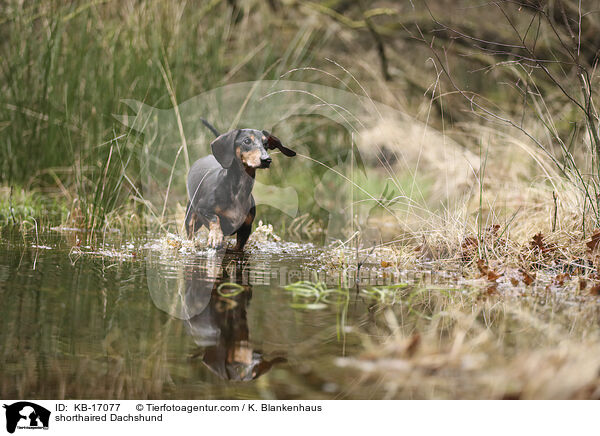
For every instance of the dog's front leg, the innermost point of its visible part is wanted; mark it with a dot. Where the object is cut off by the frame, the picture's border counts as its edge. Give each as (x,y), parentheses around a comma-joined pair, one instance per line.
(215,234)
(191,221)
(244,231)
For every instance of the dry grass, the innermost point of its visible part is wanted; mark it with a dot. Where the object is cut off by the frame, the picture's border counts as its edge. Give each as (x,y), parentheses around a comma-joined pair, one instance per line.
(472,194)
(461,346)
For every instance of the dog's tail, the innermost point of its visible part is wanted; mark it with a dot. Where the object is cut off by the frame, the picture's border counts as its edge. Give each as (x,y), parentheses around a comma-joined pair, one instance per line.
(210,127)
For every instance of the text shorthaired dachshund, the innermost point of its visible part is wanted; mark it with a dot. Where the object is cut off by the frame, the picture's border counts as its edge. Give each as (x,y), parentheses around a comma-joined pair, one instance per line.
(220,185)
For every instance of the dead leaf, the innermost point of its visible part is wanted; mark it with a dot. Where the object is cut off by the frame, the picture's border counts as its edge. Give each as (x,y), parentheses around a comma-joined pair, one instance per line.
(493,276)
(483,268)
(595,290)
(560,279)
(469,242)
(468,248)
(538,243)
(493,229)
(492,289)
(592,244)
(487,272)
(528,278)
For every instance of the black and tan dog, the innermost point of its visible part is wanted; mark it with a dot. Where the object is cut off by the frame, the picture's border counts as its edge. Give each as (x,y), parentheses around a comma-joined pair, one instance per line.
(219,324)
(220,185)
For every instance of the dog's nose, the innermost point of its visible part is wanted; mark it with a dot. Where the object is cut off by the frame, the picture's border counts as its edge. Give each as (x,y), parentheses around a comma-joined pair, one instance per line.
(265,162)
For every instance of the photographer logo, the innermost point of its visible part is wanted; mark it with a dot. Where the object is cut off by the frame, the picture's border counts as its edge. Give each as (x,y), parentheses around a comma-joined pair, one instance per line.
(26,415)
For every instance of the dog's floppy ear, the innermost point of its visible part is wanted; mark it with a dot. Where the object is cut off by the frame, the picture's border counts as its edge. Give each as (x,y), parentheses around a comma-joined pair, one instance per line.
(273,142)
(222,148)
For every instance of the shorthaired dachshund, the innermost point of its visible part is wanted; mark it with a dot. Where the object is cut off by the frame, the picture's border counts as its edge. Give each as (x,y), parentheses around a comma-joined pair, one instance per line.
(221,330)
(220,185)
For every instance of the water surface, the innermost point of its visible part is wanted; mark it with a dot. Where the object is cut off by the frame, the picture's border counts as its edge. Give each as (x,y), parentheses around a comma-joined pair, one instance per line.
(129,321)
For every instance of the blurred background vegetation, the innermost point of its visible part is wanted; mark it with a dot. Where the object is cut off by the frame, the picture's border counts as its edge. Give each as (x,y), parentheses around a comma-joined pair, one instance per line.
(526,69)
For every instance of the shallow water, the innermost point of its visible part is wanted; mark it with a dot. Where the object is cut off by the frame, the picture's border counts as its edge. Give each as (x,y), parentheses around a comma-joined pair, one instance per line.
(157,317)
(133,321)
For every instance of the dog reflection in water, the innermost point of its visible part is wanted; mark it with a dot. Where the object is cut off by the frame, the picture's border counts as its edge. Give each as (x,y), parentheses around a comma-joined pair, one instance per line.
(220,325)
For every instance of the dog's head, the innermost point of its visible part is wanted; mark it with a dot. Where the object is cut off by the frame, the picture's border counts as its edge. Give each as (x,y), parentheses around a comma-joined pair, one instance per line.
(249,146)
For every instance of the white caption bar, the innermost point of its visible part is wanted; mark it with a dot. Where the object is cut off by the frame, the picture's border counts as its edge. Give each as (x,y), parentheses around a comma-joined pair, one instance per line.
(365,418)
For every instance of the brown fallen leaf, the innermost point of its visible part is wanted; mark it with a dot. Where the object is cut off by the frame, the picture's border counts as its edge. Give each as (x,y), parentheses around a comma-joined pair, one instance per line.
(424,249)
(592,244)
(538,243)
(493,229)
(469,242)
(514,282)
(468,248)
(582,284)
(595,290)
(560,279)
(528,278)
(492,289)
(492,276)
(483,268)
(487,272)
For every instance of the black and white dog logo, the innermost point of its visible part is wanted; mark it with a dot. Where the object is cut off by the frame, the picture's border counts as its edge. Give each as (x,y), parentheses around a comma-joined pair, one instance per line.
(26,415)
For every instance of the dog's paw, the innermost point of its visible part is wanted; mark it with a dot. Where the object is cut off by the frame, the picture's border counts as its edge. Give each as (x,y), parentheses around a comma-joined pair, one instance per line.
(215,237)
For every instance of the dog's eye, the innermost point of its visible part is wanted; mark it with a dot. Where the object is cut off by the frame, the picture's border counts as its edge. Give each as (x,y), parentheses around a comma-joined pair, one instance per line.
(247,141)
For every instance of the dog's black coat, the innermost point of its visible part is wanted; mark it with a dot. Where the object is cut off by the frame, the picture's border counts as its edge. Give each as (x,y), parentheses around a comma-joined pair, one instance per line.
(220,185)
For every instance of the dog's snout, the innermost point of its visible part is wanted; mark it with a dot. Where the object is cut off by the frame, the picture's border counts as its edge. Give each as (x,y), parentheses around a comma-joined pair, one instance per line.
(266,162)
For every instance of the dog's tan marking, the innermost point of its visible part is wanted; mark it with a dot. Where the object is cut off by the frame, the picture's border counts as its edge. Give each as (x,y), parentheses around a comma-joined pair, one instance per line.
(241,353)
(215,234)
(227,213)
(251,158)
